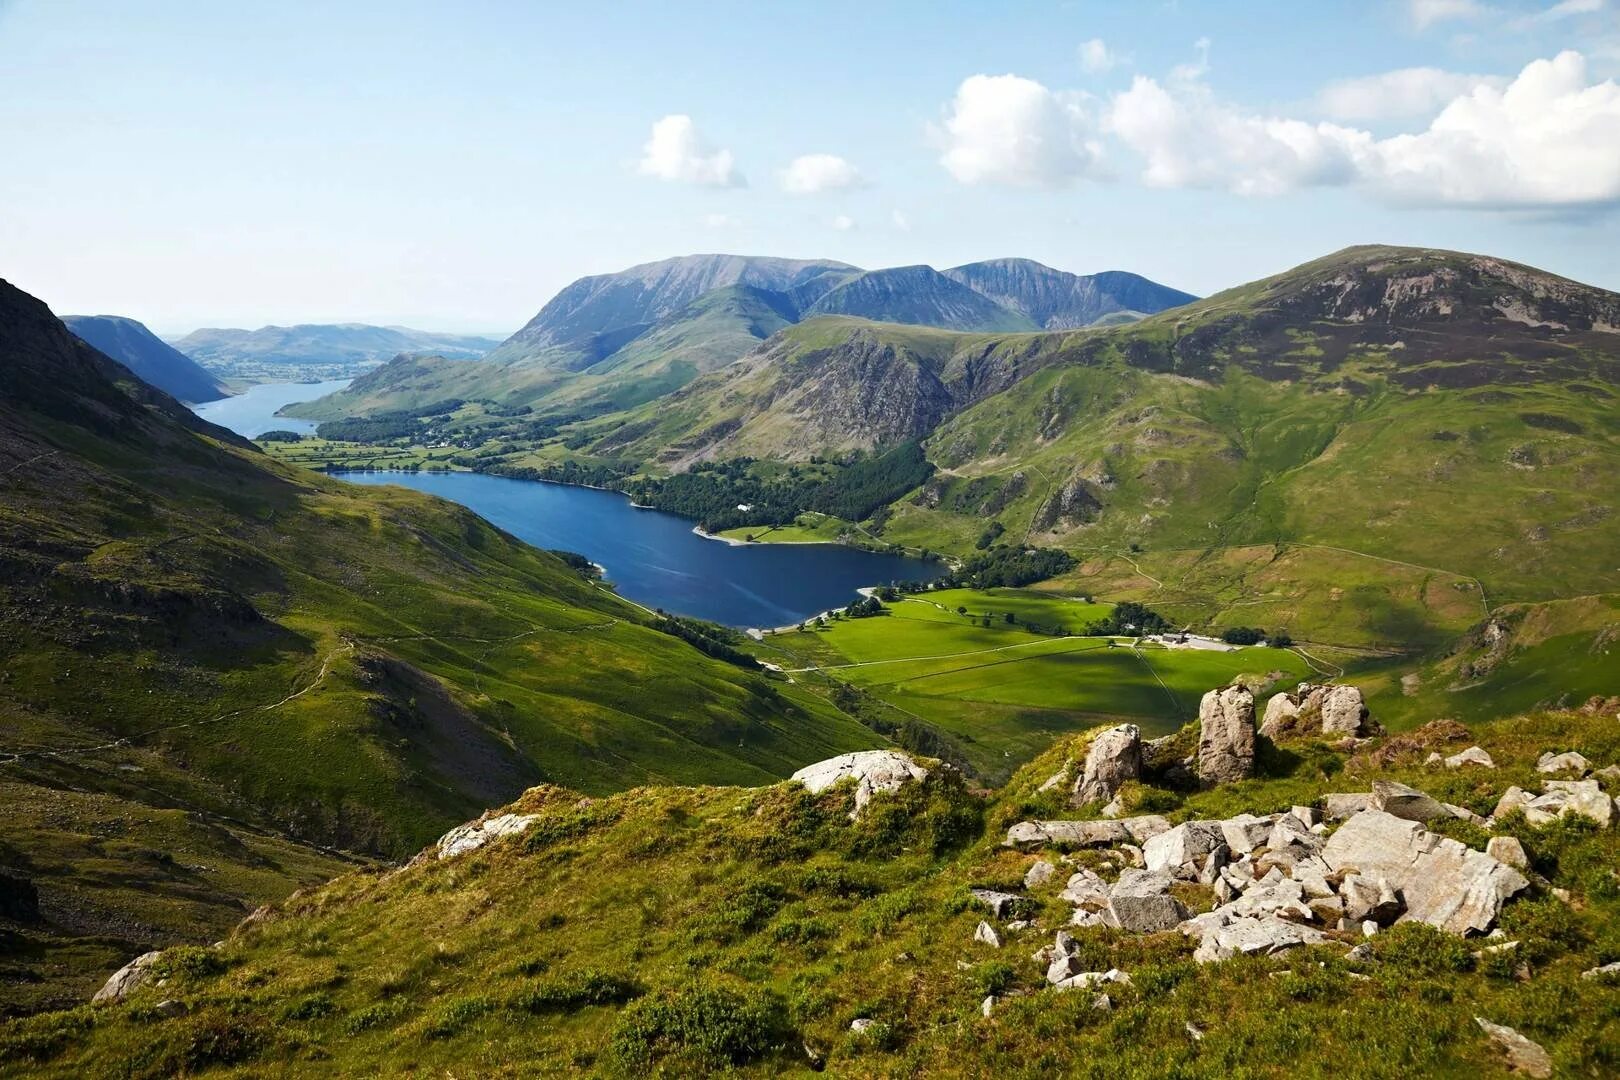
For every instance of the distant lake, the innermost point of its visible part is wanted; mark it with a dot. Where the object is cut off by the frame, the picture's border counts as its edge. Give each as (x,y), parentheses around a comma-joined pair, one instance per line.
(252,413)
(657,560)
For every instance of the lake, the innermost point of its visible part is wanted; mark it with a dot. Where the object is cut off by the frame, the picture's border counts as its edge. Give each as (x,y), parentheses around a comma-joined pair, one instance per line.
(253,412)
(657,560)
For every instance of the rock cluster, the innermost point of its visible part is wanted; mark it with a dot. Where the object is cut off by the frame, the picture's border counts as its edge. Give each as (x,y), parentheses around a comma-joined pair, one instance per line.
(1559,797)
(873,771)
(1331,710)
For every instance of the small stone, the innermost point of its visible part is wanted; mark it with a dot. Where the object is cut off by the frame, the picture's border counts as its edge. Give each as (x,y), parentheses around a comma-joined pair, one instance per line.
(987,1005)
(1307,815)
(1523,1055)
(1086,889)
(987,935)
(1039,874)
(1474,755)
(1018,925)
(1001,904)
(1360,954)
(862,1024)
(1509,850)
(170,1008)
(1102,1002)
(874,771)
(1194,1032)
(1605,973)
(128,978)
(1368,928)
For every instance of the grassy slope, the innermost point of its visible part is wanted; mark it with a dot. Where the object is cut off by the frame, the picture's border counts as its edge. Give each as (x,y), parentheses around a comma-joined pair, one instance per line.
(671,931)
(1003,692)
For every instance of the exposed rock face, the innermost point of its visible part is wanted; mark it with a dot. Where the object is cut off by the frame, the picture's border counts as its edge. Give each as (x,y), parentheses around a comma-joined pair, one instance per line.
(1001,904)
(873,770)
(1181,850)
(1140,901)
(1115,756)
(127,979)
(1508,849)
(475,834)
(1441,881)
(1332,710)
(1584,797)
(1551,764)
(1226,735)
(1339,806)
(1030,835)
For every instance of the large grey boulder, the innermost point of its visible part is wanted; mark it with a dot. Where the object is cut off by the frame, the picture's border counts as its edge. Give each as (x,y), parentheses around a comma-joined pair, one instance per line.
(127,979)
(1181,850)
(1246,832)
(1031,835)
(1338,806)
(1402,801)
(873,770)
(1226,735)
(475,834)
(1114,757)
(1441,881)
(1344,712)
(1474,755)
(1140,901)
(1339,710)
(1550,763)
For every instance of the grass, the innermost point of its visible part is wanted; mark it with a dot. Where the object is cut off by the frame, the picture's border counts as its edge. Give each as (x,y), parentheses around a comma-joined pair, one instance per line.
(515,957)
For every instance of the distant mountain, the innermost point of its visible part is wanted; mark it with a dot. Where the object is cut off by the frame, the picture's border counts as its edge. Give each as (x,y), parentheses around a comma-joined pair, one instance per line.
(1056,300)
(918,296)
(596,316)
(148,356)
(338,343)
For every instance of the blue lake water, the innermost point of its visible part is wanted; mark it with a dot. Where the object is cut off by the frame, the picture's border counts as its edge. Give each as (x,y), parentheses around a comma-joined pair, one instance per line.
(657,560)
(253,412)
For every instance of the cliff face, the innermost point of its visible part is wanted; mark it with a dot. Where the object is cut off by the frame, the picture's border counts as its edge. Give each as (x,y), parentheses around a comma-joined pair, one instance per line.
(1055,300)
(920,296)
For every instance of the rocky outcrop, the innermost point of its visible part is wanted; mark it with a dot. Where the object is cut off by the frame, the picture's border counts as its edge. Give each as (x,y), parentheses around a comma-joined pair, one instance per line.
(872,770)
(1031,835)
(1583,797)
(1115,756)
(1140,901)
(1440,881)
(127,979)
(1326,710)
(475,834)
(1226,735)
(1550,764)
(1523,1055)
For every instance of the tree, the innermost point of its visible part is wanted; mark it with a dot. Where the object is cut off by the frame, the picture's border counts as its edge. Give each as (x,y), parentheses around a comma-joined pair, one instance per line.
(1243,635)
(960,610)
(1280,640)
(1010,618)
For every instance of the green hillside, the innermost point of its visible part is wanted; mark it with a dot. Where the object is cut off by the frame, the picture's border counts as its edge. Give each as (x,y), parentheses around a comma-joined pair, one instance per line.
(222,654)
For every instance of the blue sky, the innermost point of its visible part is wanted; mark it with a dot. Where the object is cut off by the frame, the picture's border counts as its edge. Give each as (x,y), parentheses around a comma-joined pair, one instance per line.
(453,165)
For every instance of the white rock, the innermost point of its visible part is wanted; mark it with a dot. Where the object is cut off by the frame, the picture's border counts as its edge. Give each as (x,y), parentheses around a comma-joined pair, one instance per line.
(1343,711)
(862,1024)
(1341,805)
(475,834)
(1442,882)
(127,979)
(1474,755)
(1507,849)
(1226,735)
(988,1005)
(1583,797)
(986,934)
(1183,847)
(1085,980)
(1115,756)
(1085,889)
(1569,761)
(1039,873)
(1001,904)
(1405,802)
(1264,935)
(1140,901)
(873,770)
(1524,1056)
(1246,832)
(1281,709)
(1606,972)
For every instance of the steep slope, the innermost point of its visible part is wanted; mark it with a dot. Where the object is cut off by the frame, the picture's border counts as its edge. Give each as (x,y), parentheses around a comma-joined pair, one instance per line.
(341,343)
(1055,300)
(596,316)
(763,933)
(187,627)
(150,358)
(917,296)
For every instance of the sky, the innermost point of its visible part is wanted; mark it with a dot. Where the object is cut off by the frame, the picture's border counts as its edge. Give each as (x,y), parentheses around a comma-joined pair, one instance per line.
(452,165)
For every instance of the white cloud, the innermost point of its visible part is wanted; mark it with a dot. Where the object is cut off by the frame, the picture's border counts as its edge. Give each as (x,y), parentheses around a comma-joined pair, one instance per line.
(721,221)
(1398,95)
(1003,129)
(1548,139)
(1570,7)
(1425,13)
(815,173)
(843,223)
(676,151)
(900,220)
(1195,70)
(1096,57)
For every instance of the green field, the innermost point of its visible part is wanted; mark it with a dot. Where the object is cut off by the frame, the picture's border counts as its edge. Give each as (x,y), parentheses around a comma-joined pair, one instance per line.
(1002,691)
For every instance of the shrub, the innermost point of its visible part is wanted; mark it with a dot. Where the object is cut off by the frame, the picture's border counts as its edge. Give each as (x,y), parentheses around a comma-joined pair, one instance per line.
(702,1026)
(455,1016)
(310,1008)
(995,977)
(575,990)
(191,962)
(1422,949)
(1243,635)
(382,1014)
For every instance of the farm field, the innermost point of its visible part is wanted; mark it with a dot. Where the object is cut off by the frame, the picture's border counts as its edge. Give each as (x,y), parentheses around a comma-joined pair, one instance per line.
(1002,691)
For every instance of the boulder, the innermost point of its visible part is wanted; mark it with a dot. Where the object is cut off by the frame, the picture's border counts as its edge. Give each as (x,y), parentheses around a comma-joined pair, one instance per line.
(1605,973)
(1339,806)
(1246,832)
(1114,757)
(873,770)
(1507,849)
(1524,1056)
(1514,798)
(1333,710)
(1226,735)
(1583,797)
(1085,889)
(1281,711)
(1085,980)
(1181,850)
(1001,904)
(475,834)
(1031,835)
(986,934)
(1226,937)
(1441,881)
(1039,873)
(1404,802)
(1474,755)
(1569,761)
(1140,901)
(1343,711)
(127,979)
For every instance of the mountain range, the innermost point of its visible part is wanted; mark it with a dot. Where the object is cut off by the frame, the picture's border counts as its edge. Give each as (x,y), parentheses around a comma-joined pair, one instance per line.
(144,353)
(615,340)
(320,344)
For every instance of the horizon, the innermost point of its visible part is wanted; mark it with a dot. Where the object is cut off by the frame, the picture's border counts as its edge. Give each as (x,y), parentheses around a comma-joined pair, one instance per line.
(451,172)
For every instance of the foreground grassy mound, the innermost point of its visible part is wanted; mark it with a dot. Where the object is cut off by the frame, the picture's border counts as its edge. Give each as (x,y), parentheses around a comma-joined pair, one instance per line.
(205,652)
(680,931)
